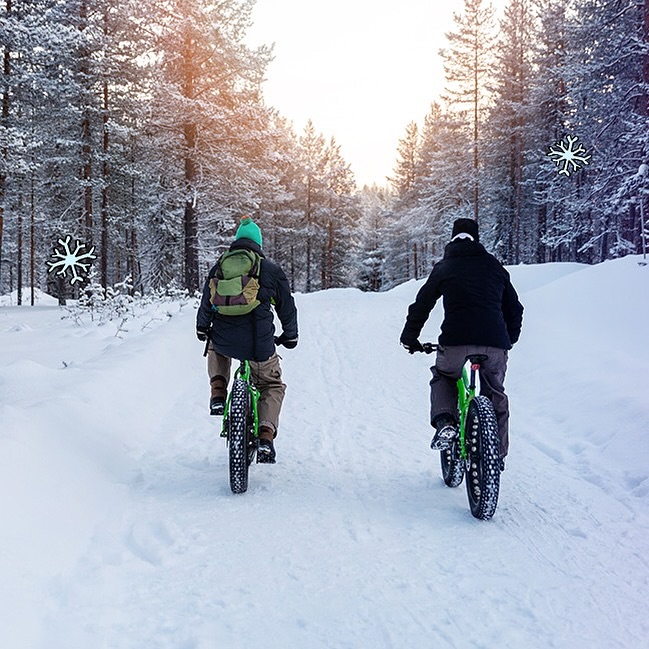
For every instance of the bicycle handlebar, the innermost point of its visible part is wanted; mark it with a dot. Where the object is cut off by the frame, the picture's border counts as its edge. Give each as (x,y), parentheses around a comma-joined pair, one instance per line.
(427,348)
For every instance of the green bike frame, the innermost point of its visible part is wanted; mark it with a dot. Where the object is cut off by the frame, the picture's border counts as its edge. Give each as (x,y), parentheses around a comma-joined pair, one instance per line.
(466,392)
(243,372)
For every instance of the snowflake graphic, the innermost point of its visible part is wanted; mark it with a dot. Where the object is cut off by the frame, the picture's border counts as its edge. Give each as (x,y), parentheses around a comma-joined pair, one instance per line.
(570,152)
(71,260)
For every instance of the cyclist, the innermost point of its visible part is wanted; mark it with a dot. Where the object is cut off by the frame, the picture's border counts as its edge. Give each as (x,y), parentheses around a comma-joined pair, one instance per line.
(251,337)
(482,315)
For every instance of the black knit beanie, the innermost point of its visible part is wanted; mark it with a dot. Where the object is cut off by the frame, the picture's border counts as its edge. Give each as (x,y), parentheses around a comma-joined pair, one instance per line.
(466,225)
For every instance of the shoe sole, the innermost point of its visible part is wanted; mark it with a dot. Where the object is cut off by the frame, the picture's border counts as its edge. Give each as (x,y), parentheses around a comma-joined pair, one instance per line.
(443,442)
(265,455)
(218,411)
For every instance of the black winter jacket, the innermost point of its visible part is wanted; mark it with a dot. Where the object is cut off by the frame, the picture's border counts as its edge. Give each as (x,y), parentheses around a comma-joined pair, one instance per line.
(481,306)
(251,336)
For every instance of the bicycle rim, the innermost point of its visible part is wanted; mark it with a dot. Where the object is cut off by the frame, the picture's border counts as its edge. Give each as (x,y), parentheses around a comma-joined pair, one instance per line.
(483,473)
(239,437)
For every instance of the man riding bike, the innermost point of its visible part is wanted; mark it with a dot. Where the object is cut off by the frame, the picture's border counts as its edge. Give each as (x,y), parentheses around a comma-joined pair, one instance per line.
(482,315)
(251,337)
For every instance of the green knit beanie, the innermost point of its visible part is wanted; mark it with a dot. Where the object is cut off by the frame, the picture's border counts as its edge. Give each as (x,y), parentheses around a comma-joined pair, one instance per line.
(248,229)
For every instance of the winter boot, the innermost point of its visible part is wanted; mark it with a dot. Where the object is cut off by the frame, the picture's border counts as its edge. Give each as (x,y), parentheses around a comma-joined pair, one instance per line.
(266,450)
(445,435)
(218,388)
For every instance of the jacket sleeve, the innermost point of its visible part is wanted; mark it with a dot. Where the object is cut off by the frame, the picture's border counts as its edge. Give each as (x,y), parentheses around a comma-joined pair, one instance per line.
(420,309)
(285,305)
(512,312)
(204,313)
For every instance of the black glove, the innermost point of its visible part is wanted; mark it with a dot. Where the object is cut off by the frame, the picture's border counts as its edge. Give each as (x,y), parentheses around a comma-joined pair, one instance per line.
(202,333)
(289,343)
(413,346)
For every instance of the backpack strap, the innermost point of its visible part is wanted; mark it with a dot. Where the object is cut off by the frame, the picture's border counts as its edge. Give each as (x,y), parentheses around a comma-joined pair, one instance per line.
(256,266)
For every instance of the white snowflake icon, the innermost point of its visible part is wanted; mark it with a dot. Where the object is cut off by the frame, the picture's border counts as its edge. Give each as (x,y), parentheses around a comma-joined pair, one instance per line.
(570,155)
(71,260)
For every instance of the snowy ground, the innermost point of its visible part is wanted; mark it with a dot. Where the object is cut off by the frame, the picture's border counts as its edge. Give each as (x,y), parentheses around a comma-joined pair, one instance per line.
(119,530)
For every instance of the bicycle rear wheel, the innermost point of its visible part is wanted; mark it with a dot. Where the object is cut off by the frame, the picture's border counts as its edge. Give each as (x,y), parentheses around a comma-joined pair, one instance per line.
(239,436)
(483,474)
(452,465)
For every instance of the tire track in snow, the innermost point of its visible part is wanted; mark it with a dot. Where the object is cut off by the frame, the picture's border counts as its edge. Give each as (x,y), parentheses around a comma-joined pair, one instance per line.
(352,533)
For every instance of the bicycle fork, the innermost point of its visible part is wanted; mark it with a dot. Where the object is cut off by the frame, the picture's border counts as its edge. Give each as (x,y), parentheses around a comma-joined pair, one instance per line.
(244,373)
(466,387)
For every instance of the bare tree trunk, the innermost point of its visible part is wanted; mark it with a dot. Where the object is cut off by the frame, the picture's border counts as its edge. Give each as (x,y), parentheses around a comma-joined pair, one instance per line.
(132,264)
(542,216)
(415,264)
(323,268)
(4,118)
(86,137)
(104,192)
(32,232)
(190,131)
(330,255)
(191,230)
(20,248)
(308,235)
(645,62)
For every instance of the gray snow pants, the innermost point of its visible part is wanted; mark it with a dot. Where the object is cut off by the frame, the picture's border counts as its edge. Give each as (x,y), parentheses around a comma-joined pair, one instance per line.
(267,377)
(448,369)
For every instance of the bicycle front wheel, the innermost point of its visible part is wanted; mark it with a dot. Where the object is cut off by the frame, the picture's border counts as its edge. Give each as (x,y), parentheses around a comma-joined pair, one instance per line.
(483,473)
(239,437)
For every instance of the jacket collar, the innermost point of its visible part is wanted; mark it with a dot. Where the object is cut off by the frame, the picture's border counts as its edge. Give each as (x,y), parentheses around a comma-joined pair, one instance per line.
(247,244)
(464,248)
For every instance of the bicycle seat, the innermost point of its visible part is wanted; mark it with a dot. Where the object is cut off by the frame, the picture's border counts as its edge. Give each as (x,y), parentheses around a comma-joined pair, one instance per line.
(477,358)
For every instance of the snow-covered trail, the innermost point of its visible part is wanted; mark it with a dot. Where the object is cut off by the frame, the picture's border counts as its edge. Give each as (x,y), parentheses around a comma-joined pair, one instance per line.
(351,539)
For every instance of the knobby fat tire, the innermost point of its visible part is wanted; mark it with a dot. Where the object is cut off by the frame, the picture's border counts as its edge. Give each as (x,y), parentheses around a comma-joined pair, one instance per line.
(483,473)
(238,436)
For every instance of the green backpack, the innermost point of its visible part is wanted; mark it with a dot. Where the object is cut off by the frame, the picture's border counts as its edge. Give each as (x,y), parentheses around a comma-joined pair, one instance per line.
(234,288)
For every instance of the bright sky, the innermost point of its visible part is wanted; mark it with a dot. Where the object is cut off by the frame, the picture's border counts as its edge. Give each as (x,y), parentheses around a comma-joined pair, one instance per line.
(361,70)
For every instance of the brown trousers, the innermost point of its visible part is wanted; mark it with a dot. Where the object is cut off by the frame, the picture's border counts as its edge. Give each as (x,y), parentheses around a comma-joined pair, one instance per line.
(267,377)
(448,369)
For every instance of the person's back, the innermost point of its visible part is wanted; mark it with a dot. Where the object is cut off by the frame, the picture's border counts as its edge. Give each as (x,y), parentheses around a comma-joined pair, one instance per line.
(482,315)
(251,337)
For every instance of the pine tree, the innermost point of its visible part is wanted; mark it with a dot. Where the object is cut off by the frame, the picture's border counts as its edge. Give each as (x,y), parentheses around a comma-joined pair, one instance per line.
(549,95)
(373,251)
(4,117)
(607,90)
(511,144)
(341,219)
(467,66)
(205,100)
(312,146)
(405,172)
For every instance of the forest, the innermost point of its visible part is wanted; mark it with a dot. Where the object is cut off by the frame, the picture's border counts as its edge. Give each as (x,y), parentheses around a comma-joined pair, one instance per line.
(140,128)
